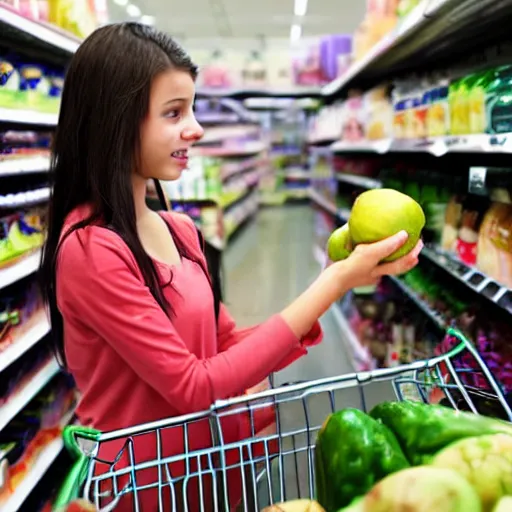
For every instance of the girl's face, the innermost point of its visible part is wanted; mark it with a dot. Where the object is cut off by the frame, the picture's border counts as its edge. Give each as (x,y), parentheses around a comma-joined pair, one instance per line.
(170,127)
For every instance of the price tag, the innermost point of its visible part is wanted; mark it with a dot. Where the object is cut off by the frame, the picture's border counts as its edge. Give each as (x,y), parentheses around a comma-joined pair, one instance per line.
(476,184)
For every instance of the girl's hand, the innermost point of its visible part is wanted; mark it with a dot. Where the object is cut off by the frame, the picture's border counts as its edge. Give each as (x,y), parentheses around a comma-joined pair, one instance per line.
(363,267)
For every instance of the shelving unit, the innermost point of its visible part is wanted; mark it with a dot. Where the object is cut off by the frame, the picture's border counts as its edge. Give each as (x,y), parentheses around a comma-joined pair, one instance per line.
(54,46)
(40,327)
(436,146)
(43,462)
(23,267)
(28,391)
(19,166)
(27,117)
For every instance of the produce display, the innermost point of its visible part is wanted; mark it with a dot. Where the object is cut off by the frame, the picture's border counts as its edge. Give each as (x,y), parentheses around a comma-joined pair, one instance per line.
(412,456)
(376,215)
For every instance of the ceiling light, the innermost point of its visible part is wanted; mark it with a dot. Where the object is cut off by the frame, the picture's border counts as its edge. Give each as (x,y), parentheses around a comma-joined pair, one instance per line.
(122,3)
(301,6)
(147,20)
(133,11)
(295,32)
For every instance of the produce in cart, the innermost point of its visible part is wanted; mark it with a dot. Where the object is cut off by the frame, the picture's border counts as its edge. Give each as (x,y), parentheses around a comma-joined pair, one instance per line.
(420,489)
(504,505)
(353,452)
(485,462)
(423,430)
(296,506)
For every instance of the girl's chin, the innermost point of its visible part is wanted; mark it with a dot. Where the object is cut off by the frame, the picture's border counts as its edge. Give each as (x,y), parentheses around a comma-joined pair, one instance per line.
(170,175)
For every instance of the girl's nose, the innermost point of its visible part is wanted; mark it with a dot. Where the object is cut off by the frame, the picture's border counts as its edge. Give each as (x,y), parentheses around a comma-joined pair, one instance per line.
(193,131)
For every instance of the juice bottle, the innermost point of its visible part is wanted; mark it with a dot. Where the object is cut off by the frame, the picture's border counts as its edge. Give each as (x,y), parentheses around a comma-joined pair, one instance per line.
(453,100)
(477,101)
(499,102)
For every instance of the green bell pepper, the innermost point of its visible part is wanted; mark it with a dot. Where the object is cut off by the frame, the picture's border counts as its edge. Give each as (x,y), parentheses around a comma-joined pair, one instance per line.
(422,429)
(352,453)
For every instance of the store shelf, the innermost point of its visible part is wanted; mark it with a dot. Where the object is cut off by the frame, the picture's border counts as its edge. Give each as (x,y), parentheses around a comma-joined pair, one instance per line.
(471,277)
(44,461)
(10,115)
(16,166)
(360,358)
(412,24)
(436,146)
(25,266)
(435,33)
(36,33)
(24,199)
(250,148)
(359,181)
(240,93)
(39,329)
(228,170)
(296,174)
(433,315)
(298,193)
(323,202)
(23,395)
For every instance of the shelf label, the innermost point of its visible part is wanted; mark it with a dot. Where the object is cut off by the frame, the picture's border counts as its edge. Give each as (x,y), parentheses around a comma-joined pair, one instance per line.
(476,183)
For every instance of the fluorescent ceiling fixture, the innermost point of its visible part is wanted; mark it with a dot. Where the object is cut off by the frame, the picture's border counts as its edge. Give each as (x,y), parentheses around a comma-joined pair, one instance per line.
(295,32)
(133,11)
(122,3)
(301,6)
(148,20)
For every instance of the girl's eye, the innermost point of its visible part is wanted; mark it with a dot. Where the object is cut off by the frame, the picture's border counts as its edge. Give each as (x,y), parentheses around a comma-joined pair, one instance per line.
(172,114)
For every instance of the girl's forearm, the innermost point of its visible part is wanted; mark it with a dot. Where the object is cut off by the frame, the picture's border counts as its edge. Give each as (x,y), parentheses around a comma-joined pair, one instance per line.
(304,311)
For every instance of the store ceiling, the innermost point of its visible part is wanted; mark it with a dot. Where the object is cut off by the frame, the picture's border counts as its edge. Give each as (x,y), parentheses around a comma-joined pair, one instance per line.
(199,19)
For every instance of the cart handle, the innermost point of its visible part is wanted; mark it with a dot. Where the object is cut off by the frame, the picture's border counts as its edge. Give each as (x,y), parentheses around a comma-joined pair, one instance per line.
(70,489)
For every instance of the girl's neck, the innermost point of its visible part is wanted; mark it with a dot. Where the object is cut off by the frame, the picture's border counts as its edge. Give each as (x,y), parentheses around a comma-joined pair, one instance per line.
(139,197)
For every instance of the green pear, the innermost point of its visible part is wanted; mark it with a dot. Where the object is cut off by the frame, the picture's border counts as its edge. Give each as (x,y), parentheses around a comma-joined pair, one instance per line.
(380,213)
(339,245)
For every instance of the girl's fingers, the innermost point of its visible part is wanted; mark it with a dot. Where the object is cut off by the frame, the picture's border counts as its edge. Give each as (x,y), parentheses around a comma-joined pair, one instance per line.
(388,246)
(402,265)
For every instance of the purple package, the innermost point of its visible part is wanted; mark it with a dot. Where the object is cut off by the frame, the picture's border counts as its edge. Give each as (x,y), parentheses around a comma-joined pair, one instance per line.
(335,52)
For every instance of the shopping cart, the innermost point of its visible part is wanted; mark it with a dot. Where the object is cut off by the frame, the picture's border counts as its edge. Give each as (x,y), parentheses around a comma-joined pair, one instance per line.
(271,466)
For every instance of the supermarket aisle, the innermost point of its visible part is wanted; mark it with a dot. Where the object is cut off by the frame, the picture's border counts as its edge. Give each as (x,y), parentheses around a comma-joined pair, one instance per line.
(267,265)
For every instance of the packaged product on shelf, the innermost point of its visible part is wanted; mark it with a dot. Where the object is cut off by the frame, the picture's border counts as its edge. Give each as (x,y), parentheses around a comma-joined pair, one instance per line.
(478,99)
(379,114)
(380,20)
(438,114)
(498,104)
(451,223)
(353,121)
(494,254)
(335,55)
(467,237)
(435,196)
(9,84)
(404,7)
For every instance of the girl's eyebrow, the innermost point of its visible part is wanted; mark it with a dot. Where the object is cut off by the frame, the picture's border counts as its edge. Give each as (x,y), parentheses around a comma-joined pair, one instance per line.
(175,100)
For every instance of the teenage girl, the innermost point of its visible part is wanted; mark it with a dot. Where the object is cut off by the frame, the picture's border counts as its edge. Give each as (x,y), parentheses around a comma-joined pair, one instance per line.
(128,292)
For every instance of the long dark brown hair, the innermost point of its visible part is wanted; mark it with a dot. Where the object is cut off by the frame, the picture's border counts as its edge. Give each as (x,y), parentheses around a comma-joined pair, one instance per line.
(104,100)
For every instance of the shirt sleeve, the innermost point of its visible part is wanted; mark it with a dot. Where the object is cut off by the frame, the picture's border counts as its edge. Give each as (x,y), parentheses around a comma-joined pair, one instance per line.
(100,285)
(229,336)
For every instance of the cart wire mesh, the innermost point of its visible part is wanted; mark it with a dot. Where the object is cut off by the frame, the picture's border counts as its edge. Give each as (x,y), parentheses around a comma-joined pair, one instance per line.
(207,468)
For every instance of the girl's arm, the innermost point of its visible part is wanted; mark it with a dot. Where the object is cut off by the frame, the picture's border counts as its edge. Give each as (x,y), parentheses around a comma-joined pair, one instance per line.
(100,287)
(229,335)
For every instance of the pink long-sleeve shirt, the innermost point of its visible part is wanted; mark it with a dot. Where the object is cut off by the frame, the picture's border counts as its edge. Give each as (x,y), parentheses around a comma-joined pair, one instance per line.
(132,364)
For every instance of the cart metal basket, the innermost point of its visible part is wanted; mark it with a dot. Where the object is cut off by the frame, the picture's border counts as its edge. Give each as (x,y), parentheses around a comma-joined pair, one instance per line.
(270,465)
